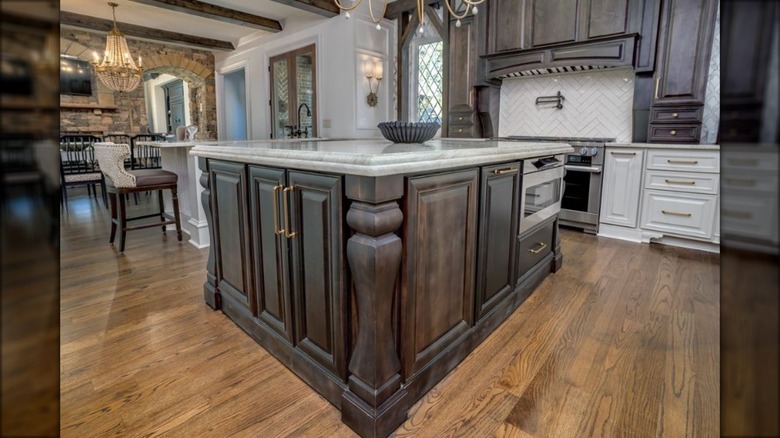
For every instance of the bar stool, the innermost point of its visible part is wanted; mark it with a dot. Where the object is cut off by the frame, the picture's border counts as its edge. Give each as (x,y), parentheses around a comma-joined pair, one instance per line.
(119,181)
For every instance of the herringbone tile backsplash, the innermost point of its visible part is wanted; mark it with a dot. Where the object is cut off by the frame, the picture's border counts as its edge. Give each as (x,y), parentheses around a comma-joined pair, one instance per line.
(597,104)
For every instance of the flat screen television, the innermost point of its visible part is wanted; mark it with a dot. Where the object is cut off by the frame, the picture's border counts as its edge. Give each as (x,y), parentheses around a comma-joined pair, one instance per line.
(75,77)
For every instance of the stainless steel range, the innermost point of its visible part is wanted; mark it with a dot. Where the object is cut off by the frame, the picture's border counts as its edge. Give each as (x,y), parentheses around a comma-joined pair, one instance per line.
(582,193)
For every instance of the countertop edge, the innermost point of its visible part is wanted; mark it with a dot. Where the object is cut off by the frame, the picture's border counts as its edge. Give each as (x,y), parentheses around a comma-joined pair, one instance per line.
(698,147)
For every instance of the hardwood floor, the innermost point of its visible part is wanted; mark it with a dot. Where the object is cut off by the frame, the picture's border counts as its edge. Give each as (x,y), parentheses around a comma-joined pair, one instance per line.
(623,341)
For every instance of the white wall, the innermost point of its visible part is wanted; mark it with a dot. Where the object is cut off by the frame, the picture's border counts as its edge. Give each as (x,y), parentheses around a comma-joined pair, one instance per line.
(597,104)
(155,98)
(342,88)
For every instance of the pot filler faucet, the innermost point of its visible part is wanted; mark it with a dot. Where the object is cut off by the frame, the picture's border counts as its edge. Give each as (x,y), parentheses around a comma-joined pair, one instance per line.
(295,131)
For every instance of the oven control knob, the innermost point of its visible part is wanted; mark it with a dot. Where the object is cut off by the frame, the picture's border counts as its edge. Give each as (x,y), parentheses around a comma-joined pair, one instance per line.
(583,151)
(594,151)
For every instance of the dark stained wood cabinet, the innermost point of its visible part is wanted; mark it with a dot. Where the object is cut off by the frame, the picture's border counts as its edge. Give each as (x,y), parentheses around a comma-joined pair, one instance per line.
(682,66)
(438,283)
(231,232)
(462,115)
(316,260)
(551,21)
(498,222)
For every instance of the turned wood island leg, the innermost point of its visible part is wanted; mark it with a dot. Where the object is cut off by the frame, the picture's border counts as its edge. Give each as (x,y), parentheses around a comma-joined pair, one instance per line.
(374,404)
(210,291)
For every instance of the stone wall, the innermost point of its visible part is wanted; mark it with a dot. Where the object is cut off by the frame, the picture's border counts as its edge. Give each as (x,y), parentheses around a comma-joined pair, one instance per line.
(109,112)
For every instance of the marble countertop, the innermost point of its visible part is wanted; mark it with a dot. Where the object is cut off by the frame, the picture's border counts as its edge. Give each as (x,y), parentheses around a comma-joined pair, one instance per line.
(699,147)
(375,157)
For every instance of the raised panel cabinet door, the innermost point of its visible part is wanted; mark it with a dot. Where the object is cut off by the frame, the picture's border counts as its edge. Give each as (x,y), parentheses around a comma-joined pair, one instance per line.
(552,21)
(440,226)
(463,59)
(621,187)
(228,193)
(684,47)
(498,221)
(270,249)
(317,263)
(605,18)
(506,24)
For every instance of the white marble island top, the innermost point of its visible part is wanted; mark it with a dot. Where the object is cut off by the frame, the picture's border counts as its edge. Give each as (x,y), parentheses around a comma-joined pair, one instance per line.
(375,157)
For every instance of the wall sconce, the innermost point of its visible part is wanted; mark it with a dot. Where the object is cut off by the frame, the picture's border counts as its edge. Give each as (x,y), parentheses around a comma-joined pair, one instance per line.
(373,70)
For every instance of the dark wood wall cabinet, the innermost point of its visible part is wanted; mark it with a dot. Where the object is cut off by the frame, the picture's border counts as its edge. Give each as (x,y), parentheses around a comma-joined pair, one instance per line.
(371,289)
(680,78)
(462,119)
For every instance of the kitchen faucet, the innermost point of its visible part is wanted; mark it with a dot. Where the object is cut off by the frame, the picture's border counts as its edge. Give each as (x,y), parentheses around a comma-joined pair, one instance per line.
(295,131)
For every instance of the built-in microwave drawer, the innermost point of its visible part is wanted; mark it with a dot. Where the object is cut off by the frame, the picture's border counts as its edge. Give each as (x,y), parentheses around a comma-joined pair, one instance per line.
(682,214)
(706,183)
(685,160)
(533,247)
(676,115)
(674,133)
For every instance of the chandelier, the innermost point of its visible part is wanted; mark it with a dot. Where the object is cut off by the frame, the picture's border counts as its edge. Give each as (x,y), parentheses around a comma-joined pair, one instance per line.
(117,71)
(471,5)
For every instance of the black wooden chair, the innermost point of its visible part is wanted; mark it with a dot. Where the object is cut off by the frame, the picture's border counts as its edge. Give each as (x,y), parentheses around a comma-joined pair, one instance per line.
(78,166)
(145,156)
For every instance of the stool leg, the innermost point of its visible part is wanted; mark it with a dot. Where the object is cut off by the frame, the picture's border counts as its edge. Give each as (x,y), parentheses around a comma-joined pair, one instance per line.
(122,222)
(175,199)
(112,199)
(162,208)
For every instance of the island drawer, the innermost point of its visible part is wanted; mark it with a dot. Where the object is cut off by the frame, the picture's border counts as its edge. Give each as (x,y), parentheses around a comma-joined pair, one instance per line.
(689,161)
(706,183)
(533,247)
(689,215)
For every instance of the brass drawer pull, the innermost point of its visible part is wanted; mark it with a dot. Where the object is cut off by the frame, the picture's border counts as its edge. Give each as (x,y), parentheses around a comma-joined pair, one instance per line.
(741,182)
(542,246)
(673,132)
(277,230)
(674,213)
(682,161)
(679,181)
(504,171)
(737,214)
(657,82)
(743,161)
(287,232)
(622,153)
(675,115)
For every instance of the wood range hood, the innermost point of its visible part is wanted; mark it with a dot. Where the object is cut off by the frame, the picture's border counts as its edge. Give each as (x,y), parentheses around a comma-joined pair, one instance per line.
(590,55)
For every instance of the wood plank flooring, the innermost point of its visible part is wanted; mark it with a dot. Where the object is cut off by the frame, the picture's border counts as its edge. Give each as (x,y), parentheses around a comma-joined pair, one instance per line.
(623,341)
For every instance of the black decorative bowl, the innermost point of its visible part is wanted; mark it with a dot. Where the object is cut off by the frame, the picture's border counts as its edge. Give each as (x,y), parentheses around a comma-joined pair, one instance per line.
(408,132)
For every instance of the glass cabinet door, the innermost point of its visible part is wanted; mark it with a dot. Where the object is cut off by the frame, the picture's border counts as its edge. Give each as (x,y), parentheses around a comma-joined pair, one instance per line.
(280,98)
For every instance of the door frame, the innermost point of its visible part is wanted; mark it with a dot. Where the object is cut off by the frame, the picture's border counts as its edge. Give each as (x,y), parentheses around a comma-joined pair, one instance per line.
(220,87)
(309,46)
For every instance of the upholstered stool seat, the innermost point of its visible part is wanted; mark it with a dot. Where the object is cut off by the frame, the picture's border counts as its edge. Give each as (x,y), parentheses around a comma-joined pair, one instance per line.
(120,182)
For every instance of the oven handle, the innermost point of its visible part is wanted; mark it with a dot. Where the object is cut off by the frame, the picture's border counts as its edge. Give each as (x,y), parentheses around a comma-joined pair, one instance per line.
(582,169)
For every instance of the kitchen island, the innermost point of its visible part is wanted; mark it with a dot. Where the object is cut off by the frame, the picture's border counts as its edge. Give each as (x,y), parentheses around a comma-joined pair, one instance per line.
(371,269)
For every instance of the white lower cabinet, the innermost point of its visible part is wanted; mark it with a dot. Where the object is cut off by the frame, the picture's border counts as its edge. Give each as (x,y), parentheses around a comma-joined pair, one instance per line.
(669,196)
(681,214)
(620,187)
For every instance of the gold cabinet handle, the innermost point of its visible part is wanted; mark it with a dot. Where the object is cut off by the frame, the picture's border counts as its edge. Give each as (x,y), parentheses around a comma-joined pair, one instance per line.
(622,153)
(277,230)
(287,232)
(471,98)
(505,171)
(542,246)
(460,118)
(460,130)
(740,182)
(674,213)
(682,161)
(675,115)
(673,132)
(679,181)
(657,82)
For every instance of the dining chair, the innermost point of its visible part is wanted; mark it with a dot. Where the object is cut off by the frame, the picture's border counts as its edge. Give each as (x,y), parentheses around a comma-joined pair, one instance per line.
(145,156)
(121,182)
(78,166)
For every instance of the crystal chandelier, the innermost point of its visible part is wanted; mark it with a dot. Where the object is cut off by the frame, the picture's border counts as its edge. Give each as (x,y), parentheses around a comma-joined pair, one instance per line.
(117,71)
(471,5)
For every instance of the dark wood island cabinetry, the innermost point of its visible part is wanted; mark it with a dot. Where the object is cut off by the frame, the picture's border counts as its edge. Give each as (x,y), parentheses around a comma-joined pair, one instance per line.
(370,269)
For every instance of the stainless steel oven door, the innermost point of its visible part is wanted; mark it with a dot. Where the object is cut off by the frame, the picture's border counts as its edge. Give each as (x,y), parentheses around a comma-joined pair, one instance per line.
(541,198)
(582,196)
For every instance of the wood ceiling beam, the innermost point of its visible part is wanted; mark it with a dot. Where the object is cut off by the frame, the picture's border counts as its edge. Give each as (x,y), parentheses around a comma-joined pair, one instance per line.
(214,12)
(396,8)
(134,31)
(326,8)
